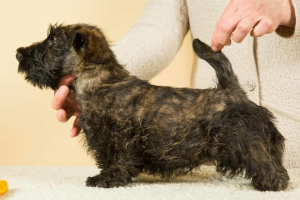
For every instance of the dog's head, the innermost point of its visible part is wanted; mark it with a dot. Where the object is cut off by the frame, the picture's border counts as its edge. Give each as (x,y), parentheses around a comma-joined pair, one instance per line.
(64,49)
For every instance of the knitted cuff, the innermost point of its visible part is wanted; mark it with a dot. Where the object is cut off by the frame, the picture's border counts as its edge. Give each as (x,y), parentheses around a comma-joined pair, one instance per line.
(284,31)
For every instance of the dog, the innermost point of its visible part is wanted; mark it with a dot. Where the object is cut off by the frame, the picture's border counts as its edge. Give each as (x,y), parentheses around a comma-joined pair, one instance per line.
(131,126)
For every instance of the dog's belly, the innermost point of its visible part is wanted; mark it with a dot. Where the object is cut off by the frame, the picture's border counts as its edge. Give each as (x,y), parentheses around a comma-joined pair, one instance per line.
(169,149)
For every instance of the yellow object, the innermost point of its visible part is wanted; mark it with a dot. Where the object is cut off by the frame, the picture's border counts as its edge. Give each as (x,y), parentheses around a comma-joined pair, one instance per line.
(3,186)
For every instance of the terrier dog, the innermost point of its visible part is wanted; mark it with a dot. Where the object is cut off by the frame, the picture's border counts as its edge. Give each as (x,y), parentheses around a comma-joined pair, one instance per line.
(131,126)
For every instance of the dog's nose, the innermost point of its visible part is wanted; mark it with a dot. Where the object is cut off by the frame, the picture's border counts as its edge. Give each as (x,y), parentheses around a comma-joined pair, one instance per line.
(19,56)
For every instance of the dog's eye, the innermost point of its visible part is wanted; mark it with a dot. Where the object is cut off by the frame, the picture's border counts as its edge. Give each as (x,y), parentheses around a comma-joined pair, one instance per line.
(52,41)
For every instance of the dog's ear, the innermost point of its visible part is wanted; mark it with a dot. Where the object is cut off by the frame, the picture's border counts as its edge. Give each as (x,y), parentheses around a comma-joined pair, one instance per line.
(79,41)
(91,43)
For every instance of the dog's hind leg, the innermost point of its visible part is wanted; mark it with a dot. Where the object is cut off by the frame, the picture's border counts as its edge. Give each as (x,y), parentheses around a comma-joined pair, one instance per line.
(236,151)
(276,150)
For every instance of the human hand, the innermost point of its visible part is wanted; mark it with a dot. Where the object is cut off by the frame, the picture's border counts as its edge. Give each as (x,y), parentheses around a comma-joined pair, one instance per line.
(66,105)
(259,17)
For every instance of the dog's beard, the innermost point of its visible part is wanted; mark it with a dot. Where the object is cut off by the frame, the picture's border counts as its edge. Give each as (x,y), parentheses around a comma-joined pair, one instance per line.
(42,69)
(40,76)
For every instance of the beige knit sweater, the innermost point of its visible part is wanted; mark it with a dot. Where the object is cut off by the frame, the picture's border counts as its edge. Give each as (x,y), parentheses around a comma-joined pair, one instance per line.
(268,67)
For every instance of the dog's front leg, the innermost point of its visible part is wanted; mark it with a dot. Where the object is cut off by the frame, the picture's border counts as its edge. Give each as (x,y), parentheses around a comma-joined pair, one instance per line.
(114,176)
(119,161)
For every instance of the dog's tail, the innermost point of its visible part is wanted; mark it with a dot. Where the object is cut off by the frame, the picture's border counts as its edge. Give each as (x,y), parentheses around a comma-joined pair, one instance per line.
(221,64)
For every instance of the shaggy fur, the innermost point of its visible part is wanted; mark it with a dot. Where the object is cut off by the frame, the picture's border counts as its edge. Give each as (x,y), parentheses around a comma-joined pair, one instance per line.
(131,126)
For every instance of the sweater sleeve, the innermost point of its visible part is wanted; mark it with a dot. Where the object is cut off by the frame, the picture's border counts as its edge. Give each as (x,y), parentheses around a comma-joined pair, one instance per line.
(151,44)
(284,31)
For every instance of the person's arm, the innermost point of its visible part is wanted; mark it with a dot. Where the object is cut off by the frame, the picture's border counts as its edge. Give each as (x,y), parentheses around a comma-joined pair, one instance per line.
(258,17)
(146,49)
(152,43)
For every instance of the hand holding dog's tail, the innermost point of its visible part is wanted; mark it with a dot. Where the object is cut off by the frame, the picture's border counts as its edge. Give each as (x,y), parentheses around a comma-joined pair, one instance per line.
(221,64)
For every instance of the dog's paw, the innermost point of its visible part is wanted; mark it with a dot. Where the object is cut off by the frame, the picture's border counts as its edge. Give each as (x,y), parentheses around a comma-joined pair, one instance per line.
(96,181)
(277,181)
(102,181)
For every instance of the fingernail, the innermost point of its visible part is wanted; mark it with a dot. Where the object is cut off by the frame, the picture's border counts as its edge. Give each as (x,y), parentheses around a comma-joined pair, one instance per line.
(214,48)
(63,90)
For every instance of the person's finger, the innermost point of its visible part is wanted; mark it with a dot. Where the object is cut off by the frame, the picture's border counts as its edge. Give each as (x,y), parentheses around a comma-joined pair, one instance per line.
(222,34)
(66,80)
(243,28)
(76,109)
(62,115)
(60,97)
(224,27)
(74,132)
(263,27)
(76,128)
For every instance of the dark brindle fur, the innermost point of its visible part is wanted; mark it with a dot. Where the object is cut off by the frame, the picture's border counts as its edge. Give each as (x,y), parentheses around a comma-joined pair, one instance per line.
(131,126)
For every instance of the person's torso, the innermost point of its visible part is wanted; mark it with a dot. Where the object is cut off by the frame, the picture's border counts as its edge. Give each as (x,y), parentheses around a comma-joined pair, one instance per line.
(268,69)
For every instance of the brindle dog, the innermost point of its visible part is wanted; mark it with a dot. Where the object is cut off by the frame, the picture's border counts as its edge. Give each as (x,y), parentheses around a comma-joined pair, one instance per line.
(131,126)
